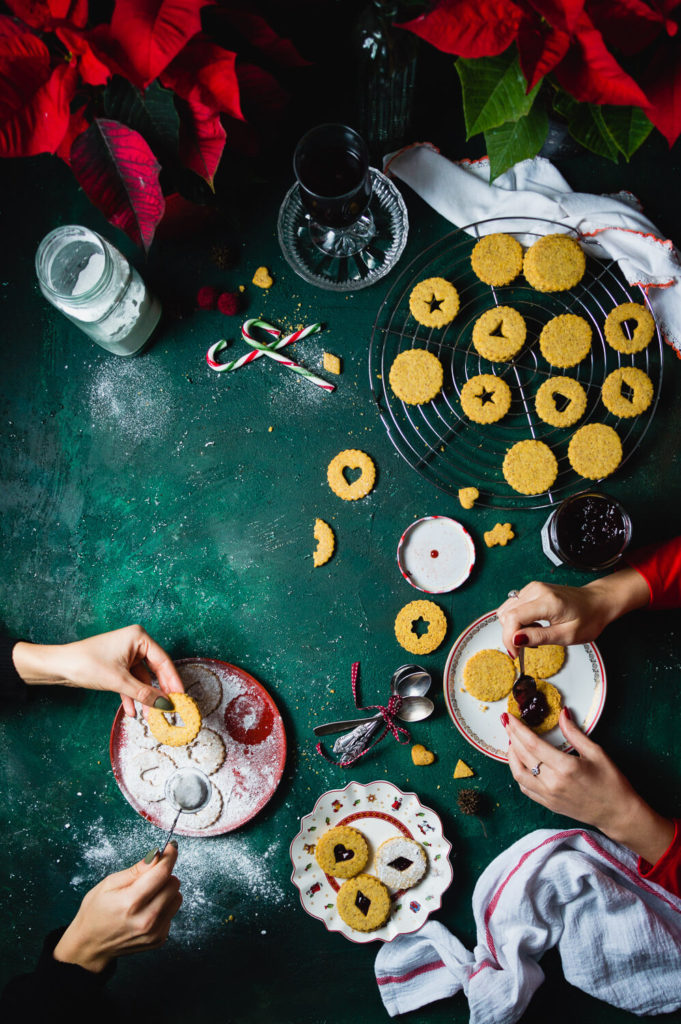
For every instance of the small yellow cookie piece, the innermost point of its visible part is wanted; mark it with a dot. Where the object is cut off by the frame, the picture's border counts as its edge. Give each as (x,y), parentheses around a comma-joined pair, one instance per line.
(501,534)
(462,771)
(176,735)
(409,615)
(420,755)
(499,334)
(326,542)
(332,363)
(342,852)
(489,675)
(542,662)
(615,398)
(434,302)
(530,467)
(642,333)
(553,699)
(468,496)
(351,459)
(571,393)
(565,340)
(364,903)
(497,259)
(554,263)
(416,376)
(263,278)
(595,451)
(485,398)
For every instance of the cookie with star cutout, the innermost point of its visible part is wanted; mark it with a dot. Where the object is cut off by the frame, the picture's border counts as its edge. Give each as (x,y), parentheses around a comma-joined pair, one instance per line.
(434,302)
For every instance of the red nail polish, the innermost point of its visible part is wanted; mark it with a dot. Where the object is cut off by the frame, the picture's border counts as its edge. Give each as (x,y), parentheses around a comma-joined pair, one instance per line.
(521,639)
(504,719)
(567,714)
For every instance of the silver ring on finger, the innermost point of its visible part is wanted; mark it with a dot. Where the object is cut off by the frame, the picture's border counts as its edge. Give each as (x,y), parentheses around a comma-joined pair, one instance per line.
(513,593)
(535,770)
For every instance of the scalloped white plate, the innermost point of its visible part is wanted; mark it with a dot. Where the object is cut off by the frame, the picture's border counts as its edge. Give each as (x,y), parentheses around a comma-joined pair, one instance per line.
(379,810)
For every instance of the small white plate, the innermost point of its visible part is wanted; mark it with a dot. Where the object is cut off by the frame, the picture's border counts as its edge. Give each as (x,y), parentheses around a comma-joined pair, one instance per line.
(436,554)
(379,811)
(581,682)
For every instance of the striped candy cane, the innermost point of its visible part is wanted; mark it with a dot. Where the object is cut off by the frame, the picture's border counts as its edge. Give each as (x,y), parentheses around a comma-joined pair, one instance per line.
(235,364)
(306,374)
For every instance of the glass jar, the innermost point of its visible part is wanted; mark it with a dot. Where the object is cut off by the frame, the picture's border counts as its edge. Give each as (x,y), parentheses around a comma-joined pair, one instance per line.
(93,284)
(589,531)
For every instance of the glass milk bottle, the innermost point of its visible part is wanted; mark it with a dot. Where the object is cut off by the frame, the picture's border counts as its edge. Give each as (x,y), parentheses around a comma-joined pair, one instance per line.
(93,284)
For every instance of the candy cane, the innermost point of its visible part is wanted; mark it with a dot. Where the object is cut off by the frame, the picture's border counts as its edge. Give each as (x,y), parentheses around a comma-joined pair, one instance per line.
(306,374)
(235,364)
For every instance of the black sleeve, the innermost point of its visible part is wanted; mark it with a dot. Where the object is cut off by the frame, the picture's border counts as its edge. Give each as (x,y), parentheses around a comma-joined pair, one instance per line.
(11,683)
(58,992)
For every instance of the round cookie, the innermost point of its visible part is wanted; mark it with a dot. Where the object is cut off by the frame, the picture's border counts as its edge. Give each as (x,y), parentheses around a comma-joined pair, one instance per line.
(147,774)
(567,388)
(485,398)
(642,333)
(203,685)
(542,662)
(499,334)
(400,863)
(565,340)
(207,752)
(351,459)
(595,451)
(437,627)
(554,263)
(530,467)
(553,699)
(434,302)
(342,852)
(363,903)
(489,675)
(136,732)
(207,816)
(497,259)
(187,709)
(416,376)
(616,402)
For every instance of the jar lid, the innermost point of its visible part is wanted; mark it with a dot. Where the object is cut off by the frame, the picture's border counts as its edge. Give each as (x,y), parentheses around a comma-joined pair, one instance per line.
(436,554)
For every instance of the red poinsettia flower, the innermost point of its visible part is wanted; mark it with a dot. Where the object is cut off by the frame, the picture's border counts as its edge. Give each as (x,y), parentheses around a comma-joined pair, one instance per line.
(469,28)
(206,74)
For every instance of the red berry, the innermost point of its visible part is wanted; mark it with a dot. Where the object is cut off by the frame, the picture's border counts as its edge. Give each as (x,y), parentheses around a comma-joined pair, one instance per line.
(207,297)
(228,303)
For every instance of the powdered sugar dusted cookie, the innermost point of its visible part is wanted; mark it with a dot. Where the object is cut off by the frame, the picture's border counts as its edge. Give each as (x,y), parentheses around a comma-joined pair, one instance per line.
(207,752)
(136,732)
(400,862)
(149,770)
(207,816)
(203,685)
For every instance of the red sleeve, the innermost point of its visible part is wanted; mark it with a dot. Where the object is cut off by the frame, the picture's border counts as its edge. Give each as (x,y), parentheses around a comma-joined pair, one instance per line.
(660,566)
(667,870)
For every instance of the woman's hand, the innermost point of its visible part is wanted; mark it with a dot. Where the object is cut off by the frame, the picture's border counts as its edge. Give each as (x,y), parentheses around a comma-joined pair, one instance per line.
(127,912)
(589,788)
(118,661)
(575,615)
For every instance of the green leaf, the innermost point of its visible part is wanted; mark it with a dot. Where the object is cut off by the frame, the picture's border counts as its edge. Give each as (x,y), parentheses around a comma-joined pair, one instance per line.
(564,105)
(518,140)
(151,113)
(628,127)
(493,91)
(588,127)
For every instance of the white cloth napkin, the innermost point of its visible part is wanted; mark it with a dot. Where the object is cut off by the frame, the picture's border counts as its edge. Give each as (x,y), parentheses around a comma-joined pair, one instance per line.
(619,936)
(610,225)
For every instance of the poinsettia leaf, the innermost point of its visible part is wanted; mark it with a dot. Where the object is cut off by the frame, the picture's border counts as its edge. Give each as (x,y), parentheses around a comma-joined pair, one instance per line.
(119,174)
(263,96)
(78,123)
(469,28)
(152,113)
(628,25)
(39,14)
(206,73)
(560,14)
(256,31)
(563,104)
(590,73)
(588,127)
(509,143)
(493,91)
(662,85)
(540,48)
(202,139)
(92,70)
(628,127)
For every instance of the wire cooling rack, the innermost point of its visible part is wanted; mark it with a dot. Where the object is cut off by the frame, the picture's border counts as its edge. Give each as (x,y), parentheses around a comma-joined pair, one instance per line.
(437,439)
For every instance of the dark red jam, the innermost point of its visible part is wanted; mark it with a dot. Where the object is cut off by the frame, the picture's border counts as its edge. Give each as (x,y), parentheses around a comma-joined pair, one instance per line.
(400,863)
(434,553)
(362,902)
(590,531)
(342,853)
(531,701)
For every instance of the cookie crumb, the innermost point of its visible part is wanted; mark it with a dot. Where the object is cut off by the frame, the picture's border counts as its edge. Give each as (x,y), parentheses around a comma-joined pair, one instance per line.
(332,363)
(468,496)
(421,756)
(501,534)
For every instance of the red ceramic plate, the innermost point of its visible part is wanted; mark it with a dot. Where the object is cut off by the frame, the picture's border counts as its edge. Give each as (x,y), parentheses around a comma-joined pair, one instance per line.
(246,719)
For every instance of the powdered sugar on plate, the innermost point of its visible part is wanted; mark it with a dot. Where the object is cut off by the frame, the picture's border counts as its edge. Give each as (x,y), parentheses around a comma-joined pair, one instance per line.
(250,727)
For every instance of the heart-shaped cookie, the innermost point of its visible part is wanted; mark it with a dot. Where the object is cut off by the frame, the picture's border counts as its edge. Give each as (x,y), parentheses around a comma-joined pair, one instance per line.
(420,755)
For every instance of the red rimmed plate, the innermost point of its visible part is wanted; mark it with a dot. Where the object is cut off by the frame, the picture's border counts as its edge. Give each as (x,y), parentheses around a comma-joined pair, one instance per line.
(240,710)
(581,682)
(379,810)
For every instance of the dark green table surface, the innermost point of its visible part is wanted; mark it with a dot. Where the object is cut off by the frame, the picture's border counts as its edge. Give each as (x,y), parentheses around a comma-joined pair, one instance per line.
(152,490)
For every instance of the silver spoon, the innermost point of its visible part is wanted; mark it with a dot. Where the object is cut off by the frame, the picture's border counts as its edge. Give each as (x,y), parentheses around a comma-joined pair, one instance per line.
(408,682)
(188,790)
(412,709)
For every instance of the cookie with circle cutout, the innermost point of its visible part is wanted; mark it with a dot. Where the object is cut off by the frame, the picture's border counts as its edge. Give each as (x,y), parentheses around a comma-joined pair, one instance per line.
(560,401)
(497,259)
(554,263)
(485,398)
(489,675)
(430,613)
(147,774)
(499,334)
(342,852)
(364,903)
(351,458)
(207,752)
(416,376)
(434,302)
(203,684)
(595,451)
(565,340)
(553,699)
(627,392)
(633,340)
(530,467)
(176,733)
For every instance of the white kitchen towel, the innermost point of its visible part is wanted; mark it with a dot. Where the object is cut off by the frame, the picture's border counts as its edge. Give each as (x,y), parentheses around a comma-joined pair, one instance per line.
(619,936)
(610,225)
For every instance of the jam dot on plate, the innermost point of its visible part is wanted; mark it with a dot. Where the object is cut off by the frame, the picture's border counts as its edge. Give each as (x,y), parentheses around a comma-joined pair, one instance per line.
(434,553)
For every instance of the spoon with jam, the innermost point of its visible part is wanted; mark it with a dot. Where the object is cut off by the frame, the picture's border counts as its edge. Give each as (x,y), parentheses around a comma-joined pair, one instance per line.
(531,701)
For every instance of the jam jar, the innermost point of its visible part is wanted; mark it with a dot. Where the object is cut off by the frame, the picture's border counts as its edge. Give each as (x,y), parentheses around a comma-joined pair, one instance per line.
(588,531)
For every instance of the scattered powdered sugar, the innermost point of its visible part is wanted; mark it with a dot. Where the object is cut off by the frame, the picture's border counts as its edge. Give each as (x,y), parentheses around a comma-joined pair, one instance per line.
(132,398)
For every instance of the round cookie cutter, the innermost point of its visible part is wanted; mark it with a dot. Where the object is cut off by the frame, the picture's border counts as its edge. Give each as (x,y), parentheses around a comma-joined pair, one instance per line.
(436,554)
